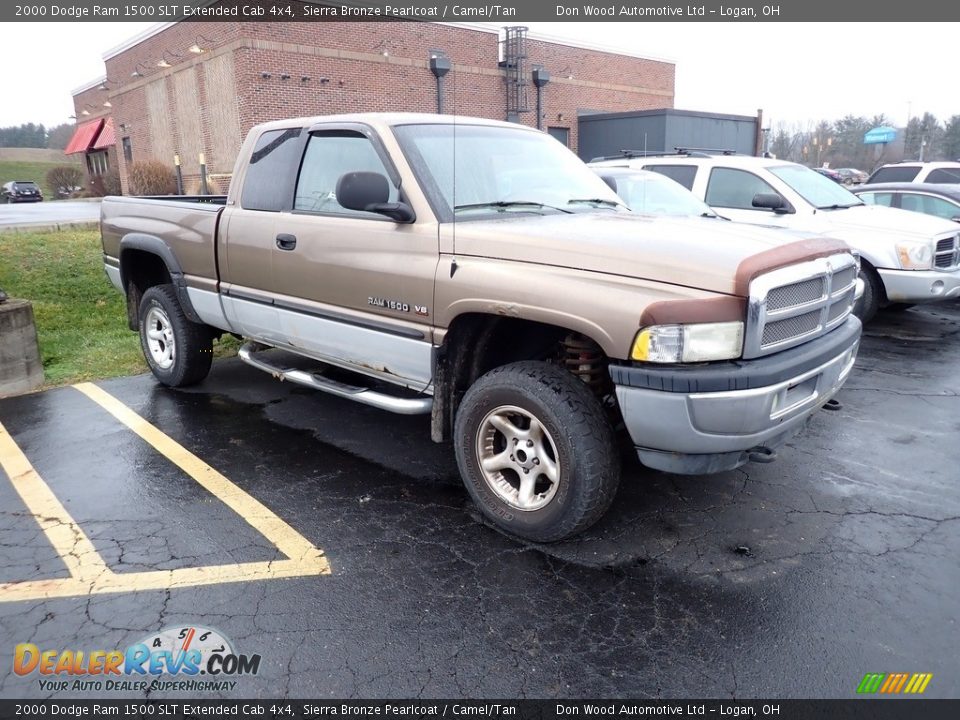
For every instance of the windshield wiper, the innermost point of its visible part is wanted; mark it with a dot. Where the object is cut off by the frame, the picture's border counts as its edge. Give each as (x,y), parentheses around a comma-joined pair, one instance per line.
(503,204)
(595,201)
(836,206)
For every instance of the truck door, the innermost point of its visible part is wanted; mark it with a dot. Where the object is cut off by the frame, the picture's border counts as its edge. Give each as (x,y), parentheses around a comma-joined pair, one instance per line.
(247,233)
(352,287)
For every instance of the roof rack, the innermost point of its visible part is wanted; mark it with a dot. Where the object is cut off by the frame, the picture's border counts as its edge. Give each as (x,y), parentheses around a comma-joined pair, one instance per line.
(681,151)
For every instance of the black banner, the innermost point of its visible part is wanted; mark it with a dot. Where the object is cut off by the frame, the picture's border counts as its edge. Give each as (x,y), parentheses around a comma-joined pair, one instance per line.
(860,709)
(497,11)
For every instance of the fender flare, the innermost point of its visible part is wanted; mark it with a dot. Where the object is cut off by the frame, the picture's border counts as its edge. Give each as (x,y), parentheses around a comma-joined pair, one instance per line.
(156,246)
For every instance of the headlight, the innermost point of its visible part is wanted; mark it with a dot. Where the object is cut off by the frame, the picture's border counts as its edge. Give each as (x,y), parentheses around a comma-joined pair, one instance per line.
(689,343)
(915,256)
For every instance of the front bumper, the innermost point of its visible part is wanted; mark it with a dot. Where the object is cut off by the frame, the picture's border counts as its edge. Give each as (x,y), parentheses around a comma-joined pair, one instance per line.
(714,417)
(920,286)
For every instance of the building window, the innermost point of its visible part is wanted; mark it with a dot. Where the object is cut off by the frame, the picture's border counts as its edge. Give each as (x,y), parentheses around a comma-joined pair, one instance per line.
(127,150)
(560,133)
(98,163)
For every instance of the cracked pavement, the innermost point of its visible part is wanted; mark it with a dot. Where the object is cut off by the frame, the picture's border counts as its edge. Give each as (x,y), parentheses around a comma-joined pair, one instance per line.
(789,579)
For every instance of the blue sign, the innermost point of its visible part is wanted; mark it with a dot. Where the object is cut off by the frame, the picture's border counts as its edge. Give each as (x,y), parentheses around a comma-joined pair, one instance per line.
(879,135)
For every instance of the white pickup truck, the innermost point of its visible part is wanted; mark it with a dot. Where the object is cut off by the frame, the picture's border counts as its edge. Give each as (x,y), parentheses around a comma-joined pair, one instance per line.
(906,258)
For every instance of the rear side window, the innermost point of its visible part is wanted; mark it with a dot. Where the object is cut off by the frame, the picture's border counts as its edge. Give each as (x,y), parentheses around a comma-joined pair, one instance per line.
(897,173)
(272,171)
(929,205)
(944,175)
(729,188)
(683,174)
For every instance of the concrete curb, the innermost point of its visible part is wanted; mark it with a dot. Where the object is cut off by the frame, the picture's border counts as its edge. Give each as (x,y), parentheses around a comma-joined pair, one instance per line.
(50,227)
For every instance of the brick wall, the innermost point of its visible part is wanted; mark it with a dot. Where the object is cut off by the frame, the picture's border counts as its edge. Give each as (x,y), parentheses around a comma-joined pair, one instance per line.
(254,72)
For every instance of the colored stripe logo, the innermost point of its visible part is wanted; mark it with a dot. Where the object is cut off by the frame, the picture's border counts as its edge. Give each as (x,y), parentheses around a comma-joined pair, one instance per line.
(894,683)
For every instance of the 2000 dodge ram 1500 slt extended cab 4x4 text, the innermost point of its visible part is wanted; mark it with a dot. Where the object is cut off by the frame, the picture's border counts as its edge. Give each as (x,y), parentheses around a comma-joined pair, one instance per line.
(478,271)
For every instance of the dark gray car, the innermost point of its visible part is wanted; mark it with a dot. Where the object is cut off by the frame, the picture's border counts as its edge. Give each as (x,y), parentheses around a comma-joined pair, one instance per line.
(21,191)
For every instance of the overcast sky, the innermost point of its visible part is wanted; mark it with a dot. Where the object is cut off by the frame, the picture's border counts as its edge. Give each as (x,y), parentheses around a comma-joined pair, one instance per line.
(796,72)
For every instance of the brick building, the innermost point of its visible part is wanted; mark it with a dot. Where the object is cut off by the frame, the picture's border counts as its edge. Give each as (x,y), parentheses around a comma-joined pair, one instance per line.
(195,88)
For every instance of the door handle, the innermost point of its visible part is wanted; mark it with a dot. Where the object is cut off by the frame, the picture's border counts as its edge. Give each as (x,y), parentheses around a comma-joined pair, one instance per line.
(286,242)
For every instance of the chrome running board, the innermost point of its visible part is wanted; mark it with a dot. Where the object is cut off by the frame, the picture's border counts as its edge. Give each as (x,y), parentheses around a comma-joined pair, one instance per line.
(401,406)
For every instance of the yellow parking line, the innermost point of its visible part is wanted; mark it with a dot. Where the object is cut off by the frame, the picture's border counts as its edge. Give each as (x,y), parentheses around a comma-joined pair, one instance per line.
(70,542)
(89,574)
(288,541)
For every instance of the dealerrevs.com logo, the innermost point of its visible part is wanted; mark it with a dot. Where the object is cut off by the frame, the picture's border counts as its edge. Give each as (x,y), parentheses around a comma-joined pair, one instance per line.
(189,659)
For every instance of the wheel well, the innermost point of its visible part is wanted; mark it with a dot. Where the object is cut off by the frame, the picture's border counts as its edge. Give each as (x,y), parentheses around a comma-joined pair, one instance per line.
(477,343)
(140,270)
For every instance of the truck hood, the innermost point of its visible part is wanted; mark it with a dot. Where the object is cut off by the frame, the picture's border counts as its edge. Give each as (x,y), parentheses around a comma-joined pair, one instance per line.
(700,253)
(867,219)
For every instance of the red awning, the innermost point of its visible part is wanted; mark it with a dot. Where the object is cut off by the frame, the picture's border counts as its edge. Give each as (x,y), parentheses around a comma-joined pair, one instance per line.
(83,137)
(107,136)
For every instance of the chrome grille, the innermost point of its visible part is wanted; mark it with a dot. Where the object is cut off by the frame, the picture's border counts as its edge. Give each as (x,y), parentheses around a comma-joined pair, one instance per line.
(793,327)
(795,294)
(948,253)
(798,303)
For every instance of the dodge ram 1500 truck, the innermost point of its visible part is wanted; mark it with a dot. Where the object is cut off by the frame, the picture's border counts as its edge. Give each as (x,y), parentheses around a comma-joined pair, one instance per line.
(478,271)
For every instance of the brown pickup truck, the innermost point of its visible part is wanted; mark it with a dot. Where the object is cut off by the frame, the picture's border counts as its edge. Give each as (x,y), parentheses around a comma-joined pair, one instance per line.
(479,272)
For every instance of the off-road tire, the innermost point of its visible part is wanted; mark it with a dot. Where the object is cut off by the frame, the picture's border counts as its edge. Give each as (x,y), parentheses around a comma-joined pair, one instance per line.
(578,430)
(192,347)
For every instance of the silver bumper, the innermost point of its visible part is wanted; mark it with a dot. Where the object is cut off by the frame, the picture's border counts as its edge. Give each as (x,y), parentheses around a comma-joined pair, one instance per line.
(919,286)
(704,432)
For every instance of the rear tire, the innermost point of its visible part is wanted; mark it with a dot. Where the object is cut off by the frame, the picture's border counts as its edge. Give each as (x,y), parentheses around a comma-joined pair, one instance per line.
(869,302)
(536,451)
(179,352)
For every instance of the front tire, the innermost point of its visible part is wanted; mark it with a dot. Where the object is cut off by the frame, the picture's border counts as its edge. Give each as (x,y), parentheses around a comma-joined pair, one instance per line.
(179,352)
(536,451)
(869,302)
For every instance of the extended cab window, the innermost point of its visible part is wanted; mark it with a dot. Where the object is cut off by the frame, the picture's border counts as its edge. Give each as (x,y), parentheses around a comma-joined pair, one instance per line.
(271,170)
(330,155)
(683,174)
(729,188)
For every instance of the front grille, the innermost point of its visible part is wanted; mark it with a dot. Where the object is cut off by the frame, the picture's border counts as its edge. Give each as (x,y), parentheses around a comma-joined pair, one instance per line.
(798,303)
(795,294)
(797,326)
(948,253)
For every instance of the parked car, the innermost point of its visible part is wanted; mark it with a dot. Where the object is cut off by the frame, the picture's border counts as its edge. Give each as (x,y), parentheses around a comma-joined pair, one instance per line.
(478,272)
(928,172)
(940,200)
(653,194)
(829,173)
(852,176)
(17,191)
(906,258)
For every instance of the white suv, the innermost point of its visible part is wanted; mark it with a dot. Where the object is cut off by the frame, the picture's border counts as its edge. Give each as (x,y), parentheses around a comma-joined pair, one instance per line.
(906,258)
(929,172)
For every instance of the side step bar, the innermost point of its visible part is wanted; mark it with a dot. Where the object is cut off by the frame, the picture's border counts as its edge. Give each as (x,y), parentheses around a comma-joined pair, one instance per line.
(402,406)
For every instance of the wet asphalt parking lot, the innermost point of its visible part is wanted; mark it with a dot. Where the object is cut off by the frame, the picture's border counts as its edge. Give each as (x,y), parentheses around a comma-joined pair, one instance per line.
(790,579)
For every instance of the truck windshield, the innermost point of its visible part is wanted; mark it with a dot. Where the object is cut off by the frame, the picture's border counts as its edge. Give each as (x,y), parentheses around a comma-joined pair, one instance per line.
(821,192)
(479,169)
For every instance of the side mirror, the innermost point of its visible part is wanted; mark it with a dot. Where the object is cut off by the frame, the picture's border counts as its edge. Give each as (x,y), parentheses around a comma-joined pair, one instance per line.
(770,201)
(370,192)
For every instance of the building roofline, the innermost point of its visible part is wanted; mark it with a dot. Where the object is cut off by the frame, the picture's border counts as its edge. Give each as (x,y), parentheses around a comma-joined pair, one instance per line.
(136,39)
(494,28)
(88,86)
(489,28)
